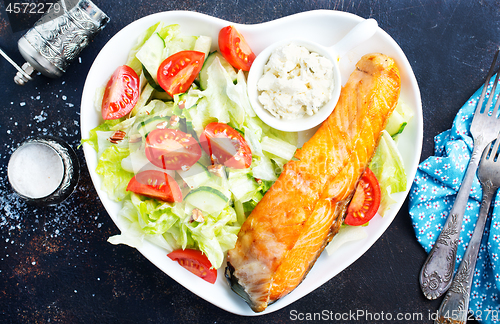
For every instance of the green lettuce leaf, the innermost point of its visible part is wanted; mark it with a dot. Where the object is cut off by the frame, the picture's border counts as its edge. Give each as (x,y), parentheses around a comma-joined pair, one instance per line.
(167,32)
(346,234)
(114,178)
(106,126)
(169,225)
(216,235)
(388,167)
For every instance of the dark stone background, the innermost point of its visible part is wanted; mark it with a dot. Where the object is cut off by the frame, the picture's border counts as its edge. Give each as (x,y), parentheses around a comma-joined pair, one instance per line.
(55,263)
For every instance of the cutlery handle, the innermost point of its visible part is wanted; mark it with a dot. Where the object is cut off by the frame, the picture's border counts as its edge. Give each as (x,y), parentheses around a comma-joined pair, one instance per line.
(437,271)
(455,304)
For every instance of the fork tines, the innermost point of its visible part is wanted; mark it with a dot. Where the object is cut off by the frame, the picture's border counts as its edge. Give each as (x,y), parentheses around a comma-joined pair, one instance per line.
(491,151)
(493,88)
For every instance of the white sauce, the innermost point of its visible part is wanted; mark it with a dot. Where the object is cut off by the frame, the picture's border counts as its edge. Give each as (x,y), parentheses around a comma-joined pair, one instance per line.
(35,170)
(295,82)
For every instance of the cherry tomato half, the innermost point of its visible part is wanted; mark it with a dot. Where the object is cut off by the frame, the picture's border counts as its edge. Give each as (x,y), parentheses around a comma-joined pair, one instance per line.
(235,49)
(155,184)
(121,93)
(226,146)
(196,262)
(366,200)
(178,71)
(172,149)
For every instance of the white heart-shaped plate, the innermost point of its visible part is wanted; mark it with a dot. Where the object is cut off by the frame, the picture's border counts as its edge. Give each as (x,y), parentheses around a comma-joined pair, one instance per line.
(323,26)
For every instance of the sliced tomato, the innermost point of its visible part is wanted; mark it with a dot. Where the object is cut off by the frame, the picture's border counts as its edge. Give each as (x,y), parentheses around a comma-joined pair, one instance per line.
(196,262)
(226,146)
(178,71)
(155,184)
(172,149)
(366,200)
(121,93)
(235,49)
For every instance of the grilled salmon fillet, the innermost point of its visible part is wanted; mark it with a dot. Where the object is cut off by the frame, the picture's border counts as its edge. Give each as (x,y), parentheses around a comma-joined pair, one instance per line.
(289,228)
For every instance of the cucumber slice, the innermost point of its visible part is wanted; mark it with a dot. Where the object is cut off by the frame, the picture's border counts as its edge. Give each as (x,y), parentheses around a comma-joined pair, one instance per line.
(207,199)
(203,44)
(150,54)
(195,176)
(395,124)
(187,100)
(399,119)
(143,99)
(187,127)
(146,126)
(204,159)
(225,64)
(151,81)
(162,95)
(190,130)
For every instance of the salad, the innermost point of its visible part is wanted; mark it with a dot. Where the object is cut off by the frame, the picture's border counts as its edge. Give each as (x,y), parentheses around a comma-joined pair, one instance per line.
(181,147)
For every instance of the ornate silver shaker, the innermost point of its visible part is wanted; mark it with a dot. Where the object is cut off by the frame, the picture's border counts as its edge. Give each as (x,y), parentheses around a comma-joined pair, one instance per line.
(57,38)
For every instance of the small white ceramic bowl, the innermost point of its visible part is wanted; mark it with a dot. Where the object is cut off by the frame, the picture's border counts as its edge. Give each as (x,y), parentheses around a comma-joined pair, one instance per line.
(360,33)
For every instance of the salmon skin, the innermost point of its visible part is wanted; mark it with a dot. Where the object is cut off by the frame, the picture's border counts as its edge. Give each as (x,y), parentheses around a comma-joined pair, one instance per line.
(289,228)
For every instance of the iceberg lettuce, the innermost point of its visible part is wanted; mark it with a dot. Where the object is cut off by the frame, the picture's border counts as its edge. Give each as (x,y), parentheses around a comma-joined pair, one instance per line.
(346,234)
(169,226)
(114,178)
(387,165)
(167,32)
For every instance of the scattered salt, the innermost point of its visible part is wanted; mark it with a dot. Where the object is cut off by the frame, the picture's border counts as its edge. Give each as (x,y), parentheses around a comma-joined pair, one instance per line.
(40,118)
(23,223)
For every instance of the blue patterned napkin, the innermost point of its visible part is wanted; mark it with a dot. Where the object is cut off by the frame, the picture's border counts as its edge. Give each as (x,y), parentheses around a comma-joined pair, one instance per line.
(431,198)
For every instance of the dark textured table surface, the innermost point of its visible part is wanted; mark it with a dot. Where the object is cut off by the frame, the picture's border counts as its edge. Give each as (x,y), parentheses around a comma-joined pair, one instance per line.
(55,263)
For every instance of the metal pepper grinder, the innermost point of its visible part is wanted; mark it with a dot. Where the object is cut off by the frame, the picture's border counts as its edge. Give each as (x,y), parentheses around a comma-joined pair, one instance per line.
(57,38)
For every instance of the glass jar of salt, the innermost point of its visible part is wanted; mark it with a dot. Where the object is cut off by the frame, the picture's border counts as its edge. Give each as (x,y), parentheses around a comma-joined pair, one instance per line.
(43,170)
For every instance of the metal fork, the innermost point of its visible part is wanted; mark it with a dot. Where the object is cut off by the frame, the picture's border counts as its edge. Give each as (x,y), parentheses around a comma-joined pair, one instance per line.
(437,271)
(455,304)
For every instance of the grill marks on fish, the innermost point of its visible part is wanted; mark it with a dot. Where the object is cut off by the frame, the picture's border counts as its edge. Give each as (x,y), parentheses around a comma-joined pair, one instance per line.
(289,228)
